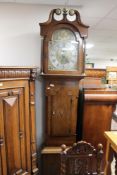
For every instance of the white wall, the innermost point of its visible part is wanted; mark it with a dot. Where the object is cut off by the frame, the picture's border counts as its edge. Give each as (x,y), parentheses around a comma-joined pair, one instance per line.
(102,64)
(20,33)
(20,45)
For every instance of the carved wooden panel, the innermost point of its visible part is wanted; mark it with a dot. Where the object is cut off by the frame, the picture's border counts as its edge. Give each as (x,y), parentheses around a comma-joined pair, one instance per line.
(59,114)
(18,73)
(62,106)
(82,158)
(17,121)
(12,130)
(12,105)
(3,162)
(33,128)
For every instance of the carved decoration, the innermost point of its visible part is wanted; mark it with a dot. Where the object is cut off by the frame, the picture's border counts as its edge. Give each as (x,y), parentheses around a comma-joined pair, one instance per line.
(11,101)
(33,74)
(35,170)
(81,147)
(76,26)
(17,72)
(65,12)
(78,166)
(76,23)
(77,159)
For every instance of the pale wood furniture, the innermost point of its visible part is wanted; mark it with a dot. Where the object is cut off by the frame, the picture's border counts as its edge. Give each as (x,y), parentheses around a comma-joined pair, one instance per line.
(99,73)
(111,75)
(18,154)
(111,150)
(81,158)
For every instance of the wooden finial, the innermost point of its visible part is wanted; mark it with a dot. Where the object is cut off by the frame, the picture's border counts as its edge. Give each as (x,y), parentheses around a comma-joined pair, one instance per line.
(63,147)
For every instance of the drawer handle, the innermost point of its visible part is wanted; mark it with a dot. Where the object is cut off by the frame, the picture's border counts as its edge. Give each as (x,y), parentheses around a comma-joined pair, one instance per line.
(21,134)
(52,85)
(53,113)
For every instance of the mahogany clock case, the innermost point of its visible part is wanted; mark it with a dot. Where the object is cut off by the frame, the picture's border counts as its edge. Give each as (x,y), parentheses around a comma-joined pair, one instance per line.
(63,44)
(63,58)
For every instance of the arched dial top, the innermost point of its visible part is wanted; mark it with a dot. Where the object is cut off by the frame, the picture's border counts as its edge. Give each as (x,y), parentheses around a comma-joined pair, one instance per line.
(63,50)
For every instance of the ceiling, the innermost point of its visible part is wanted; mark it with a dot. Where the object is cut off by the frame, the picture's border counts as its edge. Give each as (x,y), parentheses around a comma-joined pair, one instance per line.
(100,15)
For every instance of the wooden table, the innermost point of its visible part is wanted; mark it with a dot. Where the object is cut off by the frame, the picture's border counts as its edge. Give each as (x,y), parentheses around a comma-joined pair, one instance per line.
(111,150)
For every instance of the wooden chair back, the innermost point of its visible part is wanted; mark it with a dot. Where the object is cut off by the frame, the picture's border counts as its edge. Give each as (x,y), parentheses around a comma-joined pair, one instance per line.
(81,159)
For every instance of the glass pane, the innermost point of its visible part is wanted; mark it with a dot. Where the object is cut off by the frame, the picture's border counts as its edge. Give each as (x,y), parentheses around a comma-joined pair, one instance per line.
(63,51)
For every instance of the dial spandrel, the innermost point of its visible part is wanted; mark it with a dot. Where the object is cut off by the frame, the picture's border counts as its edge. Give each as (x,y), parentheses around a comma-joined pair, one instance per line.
(63,51)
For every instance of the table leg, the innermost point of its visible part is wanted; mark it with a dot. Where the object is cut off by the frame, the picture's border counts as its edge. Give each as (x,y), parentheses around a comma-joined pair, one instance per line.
(109,158)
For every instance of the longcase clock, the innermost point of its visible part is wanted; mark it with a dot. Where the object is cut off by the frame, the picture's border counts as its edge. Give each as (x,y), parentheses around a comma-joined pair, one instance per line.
(63,58)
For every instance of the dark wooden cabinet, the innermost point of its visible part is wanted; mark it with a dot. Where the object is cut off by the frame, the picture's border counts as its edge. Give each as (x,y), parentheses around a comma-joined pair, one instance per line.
(17,122)
(99,106)
(111,76)
(50,157)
